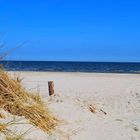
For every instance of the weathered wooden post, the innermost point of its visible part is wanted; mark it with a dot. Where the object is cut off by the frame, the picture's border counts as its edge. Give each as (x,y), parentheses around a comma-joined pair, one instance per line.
(51,88)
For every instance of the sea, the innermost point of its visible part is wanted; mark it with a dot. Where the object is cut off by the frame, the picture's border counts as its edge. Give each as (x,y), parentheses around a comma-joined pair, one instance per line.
(90,67)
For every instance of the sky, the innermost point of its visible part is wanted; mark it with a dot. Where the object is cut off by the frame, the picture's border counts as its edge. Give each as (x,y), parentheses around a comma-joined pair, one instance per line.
(71,30)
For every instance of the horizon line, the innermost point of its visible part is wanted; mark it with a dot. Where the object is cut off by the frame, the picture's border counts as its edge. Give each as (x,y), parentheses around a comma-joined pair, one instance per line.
(73,61)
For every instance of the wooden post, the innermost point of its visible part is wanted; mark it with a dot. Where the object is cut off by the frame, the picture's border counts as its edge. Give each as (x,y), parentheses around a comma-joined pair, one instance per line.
(51,88)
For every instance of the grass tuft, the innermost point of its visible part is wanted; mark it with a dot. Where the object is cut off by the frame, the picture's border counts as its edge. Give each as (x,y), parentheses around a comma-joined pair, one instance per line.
(17,101)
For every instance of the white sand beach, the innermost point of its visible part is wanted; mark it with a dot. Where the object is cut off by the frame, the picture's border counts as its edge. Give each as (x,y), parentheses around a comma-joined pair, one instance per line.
(115,98)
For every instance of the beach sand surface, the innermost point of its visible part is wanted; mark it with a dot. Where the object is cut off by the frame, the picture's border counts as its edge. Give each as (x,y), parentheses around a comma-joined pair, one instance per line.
(90,106)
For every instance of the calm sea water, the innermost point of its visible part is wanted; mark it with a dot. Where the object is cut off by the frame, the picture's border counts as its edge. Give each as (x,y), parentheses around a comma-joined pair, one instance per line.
(101,67)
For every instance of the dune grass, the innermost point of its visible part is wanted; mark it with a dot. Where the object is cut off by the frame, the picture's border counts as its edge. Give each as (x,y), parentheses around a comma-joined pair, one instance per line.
(10,134)
(17,101)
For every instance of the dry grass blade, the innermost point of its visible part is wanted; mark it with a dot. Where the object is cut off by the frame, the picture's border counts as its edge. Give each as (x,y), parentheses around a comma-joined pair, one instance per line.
(3,55)
(92,108)
(9,134)
(3,128)
(17,101)
(2,116)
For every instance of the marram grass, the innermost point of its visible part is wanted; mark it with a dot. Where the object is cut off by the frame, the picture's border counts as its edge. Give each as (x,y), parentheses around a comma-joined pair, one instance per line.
(9,134)
(17,101)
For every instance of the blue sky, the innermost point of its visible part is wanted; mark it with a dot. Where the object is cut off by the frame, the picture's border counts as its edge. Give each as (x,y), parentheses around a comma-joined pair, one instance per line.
(71,30)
